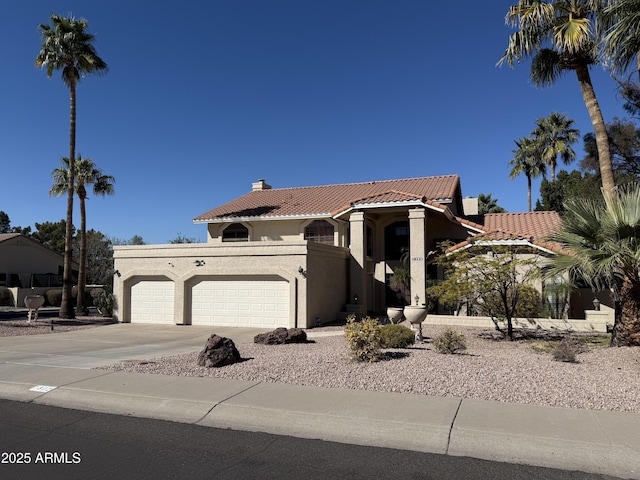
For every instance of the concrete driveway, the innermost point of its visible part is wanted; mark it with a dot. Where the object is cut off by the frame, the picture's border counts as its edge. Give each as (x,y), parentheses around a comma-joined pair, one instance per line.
(106,345)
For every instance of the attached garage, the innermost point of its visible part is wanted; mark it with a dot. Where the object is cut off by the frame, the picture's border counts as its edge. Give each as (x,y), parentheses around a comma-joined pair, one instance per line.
(241,302)
(152,301)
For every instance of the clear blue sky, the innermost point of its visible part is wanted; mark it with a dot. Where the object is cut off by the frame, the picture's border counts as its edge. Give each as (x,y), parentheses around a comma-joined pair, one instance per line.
(204,98)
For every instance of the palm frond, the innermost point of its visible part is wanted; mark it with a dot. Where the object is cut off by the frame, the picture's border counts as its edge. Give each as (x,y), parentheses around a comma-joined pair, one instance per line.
(546,68)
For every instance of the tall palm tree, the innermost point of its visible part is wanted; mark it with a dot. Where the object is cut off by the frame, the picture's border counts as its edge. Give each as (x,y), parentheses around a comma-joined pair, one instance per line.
(602,245)
(559,36)
(67,46)
(527,159)
(620,26)
(86,173)
(556,134)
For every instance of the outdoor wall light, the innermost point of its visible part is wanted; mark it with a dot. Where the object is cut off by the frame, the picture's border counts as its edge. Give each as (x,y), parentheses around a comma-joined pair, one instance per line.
(302,272)
(117,272)
(199,263)
(355,299)
(417,299)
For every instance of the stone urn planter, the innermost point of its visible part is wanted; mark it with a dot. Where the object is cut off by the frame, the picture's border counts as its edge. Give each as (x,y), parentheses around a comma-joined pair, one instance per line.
(415,315)
(33,303)
(394,314)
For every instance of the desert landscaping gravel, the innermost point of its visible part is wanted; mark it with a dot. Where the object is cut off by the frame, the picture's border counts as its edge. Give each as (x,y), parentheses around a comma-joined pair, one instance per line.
(603,379)
(13,328)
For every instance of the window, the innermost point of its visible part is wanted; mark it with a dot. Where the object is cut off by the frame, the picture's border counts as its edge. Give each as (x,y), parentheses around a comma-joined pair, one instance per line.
(396,240)
(236,232)
(319,231)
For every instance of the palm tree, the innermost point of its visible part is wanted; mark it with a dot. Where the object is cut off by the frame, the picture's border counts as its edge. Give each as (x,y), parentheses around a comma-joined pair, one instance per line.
(620,25)
(602,245)
(559,36)
(555,134)
(527,159)
(86,173)
(488,204)
(68,47)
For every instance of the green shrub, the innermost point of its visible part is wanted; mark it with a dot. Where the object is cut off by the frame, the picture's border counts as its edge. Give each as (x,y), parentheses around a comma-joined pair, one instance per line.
(396,336)
(6,297)
(450,342)
(363,338)
(54,297)
(567,350)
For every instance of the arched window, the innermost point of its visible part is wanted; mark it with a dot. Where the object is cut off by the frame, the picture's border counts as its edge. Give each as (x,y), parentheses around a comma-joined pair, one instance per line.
(236,232)
(319,231)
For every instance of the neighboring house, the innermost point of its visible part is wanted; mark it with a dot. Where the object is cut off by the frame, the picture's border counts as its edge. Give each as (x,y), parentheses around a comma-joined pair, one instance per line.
(299,256)
(26,264)
(528,231)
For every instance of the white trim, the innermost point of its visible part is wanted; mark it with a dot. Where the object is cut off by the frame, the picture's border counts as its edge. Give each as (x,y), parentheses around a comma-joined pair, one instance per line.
(256,219)
(404,203)
(519,242)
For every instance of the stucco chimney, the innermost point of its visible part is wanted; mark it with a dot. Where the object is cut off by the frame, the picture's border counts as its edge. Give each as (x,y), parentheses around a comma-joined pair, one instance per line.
(470,205)
(260,185)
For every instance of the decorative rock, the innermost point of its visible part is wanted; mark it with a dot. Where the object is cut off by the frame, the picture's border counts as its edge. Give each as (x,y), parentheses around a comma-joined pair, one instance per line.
(281,335)
(218,352)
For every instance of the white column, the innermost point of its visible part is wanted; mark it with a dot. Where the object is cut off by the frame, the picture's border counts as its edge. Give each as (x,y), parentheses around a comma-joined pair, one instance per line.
(417,254)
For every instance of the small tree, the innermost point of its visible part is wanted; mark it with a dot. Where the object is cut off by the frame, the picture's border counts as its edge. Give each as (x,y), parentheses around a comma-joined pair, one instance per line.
(401,278)
(183,239)
(490,279)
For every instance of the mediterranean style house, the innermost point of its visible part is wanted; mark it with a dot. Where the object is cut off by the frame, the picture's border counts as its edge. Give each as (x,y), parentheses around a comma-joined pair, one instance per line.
(298,257)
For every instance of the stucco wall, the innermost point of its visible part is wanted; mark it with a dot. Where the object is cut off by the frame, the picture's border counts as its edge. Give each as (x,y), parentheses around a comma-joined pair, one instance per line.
(439,228)
(327,288)
(290,230)
(187,263)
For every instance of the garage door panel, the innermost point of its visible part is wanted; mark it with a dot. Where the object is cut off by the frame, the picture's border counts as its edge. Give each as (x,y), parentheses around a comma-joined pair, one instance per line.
(152,301)
(241,303)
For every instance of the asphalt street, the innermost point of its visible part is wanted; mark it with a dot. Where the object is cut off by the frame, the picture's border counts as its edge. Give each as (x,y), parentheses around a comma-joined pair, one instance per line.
(38,441)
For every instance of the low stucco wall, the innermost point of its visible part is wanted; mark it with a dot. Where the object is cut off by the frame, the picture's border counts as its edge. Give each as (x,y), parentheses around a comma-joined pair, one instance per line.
(597,323)
(323,269)
(20,293)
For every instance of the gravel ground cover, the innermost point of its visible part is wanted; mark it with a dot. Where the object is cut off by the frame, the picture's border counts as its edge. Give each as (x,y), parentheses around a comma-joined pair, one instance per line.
(17,327)
(603,379)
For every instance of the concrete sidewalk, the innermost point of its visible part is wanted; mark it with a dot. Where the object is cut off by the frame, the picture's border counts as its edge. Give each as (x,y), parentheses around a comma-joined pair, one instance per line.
(57,370)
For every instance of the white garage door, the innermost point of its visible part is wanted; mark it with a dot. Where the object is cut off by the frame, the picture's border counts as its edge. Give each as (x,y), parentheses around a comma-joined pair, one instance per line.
(241,303)
(152,301)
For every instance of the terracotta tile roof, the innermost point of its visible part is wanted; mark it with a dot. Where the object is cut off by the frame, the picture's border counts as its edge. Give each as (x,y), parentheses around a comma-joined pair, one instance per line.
(389,197)
(532,227)
(329,199)
(528,224)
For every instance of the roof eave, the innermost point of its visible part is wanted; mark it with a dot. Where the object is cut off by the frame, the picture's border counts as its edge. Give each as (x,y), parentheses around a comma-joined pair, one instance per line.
(406,203)
(262,219)
(512,242)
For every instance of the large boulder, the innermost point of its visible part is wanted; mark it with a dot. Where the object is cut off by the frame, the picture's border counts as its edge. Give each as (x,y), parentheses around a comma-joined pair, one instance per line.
(218,352)
(281,335)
